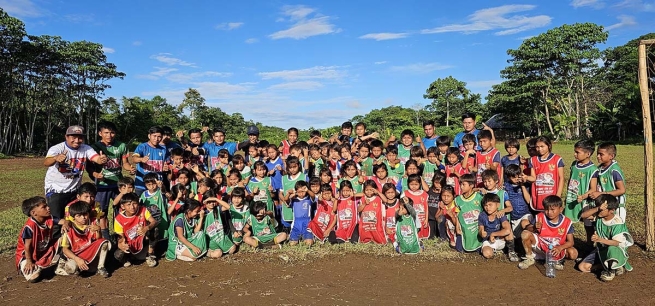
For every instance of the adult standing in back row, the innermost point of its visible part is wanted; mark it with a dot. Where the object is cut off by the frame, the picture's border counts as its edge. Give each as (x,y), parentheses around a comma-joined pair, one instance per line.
(468,121)
(66,162)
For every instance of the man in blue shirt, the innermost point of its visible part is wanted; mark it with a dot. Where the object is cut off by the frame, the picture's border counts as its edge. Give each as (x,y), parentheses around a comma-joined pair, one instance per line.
(149,157)
(218,143)
(468,121)
(430,139)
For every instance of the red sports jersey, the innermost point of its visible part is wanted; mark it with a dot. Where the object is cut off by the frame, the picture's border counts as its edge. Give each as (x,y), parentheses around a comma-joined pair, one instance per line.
(346,218)
(379,183)
(420,199)
(483,159)
(452,176)
(285,146)
(322,219)
(84,243)
(371,222)
(42,245)
(552,235)
(546,181)
(130,226)
(390,220)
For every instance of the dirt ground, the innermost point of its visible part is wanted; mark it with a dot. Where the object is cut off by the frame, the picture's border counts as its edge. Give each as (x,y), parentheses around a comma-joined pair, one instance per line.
(265,279)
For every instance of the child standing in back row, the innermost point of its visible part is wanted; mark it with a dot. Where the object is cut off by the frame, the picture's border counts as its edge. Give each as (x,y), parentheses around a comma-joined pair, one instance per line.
(610,177)
(583,181)
(546,173)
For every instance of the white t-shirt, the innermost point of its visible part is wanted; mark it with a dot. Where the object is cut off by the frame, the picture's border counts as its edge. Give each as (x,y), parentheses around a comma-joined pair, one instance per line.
(67,176)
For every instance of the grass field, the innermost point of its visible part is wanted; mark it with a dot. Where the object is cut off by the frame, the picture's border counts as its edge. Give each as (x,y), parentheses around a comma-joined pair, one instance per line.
(22,178)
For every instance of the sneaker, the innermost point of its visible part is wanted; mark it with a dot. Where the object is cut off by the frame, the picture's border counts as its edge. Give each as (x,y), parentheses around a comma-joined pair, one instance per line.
(102,272)
(127,263)
(559,265)
(526,263)
(620,271)
(151,261)
(61,268)
(398,249)
(607,276)
(513,257)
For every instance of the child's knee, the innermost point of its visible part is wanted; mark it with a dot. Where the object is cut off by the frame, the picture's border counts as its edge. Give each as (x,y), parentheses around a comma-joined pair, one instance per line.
(309,242)
(487,252)
(571,253)
(293,242)
(526,235)
(585,267)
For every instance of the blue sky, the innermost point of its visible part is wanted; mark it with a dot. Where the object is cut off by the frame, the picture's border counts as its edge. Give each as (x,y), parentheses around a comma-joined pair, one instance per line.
(314,63)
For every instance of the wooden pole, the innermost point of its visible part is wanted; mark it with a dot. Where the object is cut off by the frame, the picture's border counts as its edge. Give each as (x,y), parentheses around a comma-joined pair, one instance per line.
(648,147)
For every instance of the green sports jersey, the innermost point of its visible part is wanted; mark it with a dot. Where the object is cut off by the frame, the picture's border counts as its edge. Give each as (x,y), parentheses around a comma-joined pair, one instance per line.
(197,239)
(469,210)
(404,153)
(318,164)
(606,180)
(615,255)
(407,235)
(263,193)
(366,166)
(218,238)
(262,230)
(238,216)
(428,172)
(157,206)
(112,170)
(357,187)
(579,184)
(396,171)
(289,183)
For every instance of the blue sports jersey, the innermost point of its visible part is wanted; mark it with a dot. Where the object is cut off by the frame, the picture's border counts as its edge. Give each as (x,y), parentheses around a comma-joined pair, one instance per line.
(276,178)
(505,161)
(302,208)
(457,142)
(430,142)
(158,155)
(211,151)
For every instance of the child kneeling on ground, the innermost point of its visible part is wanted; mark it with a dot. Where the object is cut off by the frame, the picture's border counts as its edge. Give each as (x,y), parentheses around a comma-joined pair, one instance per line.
(83,244)
(548,228)
(260,228)
(36,249)
(493,227)
(611,237)
(132,225)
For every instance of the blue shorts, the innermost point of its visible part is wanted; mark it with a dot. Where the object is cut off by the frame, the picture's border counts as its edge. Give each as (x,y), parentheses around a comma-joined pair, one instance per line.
(104,195)
(299,230)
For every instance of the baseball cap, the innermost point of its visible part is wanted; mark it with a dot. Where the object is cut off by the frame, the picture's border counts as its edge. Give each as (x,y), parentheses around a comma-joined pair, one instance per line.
(253,130)
(75,130)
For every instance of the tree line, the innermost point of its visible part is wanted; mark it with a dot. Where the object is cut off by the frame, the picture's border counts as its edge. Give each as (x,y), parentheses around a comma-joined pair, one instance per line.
(558,83)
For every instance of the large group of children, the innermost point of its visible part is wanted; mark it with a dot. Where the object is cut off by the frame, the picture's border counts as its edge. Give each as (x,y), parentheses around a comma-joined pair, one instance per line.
(204,199)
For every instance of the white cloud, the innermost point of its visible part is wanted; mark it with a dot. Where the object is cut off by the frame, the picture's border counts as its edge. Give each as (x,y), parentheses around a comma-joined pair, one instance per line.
(597,4)
(251,40)
(158,73)
(304,27)
(167,59)
(300,85)
(228,26)
(638,5)
(108,50)
(189,77)
(624,20)
(384,36)
(317,72)
(420,67)
(21,8)
(137,43)
(380,62)
(497,18)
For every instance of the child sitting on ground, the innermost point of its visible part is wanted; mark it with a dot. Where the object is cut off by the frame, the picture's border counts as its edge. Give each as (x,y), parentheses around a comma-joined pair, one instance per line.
(611,237)
(83,244)
(493,227)
(260,229)
(549,228)
(132,225)
(36,249)
(186,240)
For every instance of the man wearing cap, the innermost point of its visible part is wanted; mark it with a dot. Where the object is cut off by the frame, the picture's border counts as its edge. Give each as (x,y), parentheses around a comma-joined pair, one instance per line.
(253,139)
(218,143)
(66,162)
